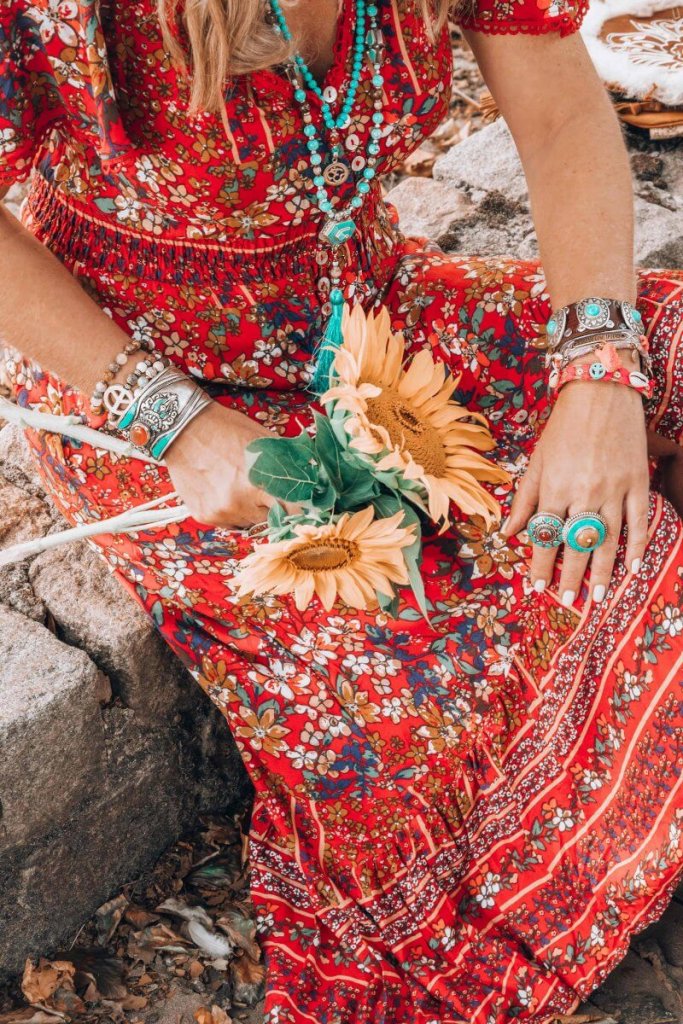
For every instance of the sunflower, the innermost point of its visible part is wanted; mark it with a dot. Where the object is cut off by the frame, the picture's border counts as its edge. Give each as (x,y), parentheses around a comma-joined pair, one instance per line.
(355,558)
(405,420)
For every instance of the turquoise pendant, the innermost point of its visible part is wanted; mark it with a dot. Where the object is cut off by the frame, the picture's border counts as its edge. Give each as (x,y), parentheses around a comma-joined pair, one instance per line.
(335,233)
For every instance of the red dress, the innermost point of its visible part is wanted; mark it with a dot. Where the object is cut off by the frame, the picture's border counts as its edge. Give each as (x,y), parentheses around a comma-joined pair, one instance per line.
(462,823)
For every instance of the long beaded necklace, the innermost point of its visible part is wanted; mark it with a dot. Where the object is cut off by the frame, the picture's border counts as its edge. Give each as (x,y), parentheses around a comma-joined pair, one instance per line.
(339,225)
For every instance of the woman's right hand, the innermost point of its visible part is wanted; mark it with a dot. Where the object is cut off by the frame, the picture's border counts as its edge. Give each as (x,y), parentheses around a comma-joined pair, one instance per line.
(208,467)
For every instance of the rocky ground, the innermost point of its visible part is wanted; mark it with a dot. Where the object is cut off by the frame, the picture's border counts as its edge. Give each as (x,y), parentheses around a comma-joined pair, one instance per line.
(109,752)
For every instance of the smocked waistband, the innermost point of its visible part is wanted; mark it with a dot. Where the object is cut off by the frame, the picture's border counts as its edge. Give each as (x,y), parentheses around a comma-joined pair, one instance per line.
(76,232)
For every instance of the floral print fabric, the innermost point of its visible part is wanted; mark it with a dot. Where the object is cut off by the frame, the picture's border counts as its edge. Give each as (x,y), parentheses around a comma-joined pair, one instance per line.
(457,822)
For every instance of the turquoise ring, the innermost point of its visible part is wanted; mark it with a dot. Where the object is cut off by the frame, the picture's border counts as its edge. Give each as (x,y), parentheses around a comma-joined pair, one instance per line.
(584,532)
(545,530)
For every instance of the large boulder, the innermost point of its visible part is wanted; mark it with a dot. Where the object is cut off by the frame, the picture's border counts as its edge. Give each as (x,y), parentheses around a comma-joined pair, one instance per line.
(108,748)
(476,204)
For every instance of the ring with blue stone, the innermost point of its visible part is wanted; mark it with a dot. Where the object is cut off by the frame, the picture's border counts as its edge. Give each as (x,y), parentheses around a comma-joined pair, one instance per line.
(584,532)
(545,530)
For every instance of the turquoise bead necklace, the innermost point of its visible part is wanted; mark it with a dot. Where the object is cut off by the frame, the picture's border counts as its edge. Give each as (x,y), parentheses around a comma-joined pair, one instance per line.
(339,224)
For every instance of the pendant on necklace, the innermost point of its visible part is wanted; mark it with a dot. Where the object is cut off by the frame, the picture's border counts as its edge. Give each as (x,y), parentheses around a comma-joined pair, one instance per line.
(336,232)
(336,173)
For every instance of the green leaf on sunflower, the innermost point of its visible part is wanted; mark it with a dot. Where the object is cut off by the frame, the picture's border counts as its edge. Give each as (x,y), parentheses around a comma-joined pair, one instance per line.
(387,505)
(324,496)
(276,516)
(353,481)
(285,467)
(389,605)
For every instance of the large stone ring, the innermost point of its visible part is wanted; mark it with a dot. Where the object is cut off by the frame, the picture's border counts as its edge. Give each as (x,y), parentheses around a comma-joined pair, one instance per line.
(545,530)
(584,532)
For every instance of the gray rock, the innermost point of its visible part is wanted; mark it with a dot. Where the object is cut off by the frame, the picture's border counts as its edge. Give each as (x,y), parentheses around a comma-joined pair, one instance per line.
(16,463)
(659,235)
(23,516)
(93,611)
(486,161)
(429,207)
(477,204)
(50,713)
(108,748)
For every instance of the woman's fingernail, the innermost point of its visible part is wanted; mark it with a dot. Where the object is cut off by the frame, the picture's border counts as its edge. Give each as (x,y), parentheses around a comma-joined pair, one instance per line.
(599,593)
(635,565)
(539,586)
(568,598)
(504,524)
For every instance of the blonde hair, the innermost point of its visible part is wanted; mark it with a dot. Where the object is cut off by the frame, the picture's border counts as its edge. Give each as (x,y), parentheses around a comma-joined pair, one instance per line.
(234,37)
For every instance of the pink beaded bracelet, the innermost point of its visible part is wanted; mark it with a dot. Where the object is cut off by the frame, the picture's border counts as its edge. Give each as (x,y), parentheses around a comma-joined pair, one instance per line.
(606,367)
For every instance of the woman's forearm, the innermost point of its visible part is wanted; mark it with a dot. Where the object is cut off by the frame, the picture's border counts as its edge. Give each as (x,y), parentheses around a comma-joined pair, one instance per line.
(47,315)
(581,195)
(574,159)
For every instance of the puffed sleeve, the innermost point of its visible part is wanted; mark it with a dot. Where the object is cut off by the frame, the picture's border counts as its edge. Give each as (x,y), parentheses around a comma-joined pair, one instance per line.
(55,74)
(532,17)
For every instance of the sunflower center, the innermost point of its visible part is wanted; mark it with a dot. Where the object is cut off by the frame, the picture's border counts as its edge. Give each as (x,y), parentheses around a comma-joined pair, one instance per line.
(325,555)
(408,429)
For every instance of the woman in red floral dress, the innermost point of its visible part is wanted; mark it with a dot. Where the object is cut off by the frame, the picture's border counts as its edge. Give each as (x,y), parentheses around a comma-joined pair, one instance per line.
(457,822)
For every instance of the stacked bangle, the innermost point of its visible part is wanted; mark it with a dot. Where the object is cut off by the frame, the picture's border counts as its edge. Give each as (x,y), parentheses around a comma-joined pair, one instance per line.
(118,398)
(636,344)
(97,404)
(159,410)
(604,327)
(580,320)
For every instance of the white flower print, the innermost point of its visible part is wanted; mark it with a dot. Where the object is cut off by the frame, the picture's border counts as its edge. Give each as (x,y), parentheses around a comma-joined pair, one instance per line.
(488,890)
(54,19)
(673,621)
(563,820)
(393,709)
(8,141)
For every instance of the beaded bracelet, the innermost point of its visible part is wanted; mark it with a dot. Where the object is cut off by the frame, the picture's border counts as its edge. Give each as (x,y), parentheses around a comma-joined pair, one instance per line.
(118,398)
(131,347)
(608,367)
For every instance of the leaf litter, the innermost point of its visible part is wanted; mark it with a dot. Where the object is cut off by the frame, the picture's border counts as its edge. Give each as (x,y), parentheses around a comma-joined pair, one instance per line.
(188,926)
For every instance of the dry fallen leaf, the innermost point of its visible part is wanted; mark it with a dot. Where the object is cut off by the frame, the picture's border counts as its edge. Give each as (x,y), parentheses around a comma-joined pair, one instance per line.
(248,980)
(139,918)
(108,918)
(42,980)
(146,944)
(31,1016)
(213,1016)
(241,929)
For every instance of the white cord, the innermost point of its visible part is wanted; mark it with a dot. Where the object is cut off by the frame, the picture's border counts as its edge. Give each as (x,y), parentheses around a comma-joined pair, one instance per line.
(140,517)
(147,516)
(71,426)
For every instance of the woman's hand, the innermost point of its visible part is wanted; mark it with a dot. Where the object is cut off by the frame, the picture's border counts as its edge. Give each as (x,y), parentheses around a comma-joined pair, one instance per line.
(591,457)
(209,469)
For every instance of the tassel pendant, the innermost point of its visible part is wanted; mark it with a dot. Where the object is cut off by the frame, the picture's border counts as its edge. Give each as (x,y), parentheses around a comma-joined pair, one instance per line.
(331,340)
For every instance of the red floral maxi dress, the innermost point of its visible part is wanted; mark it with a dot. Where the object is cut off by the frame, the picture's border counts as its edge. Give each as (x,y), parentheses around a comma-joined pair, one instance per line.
(458,823)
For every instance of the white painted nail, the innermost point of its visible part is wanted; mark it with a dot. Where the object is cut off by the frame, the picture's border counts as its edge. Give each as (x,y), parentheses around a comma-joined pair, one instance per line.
(635,565)
(599,593)
(539,586)
(568,598)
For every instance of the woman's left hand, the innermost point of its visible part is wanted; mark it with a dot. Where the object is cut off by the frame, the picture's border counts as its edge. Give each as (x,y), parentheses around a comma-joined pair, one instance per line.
(591,457)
